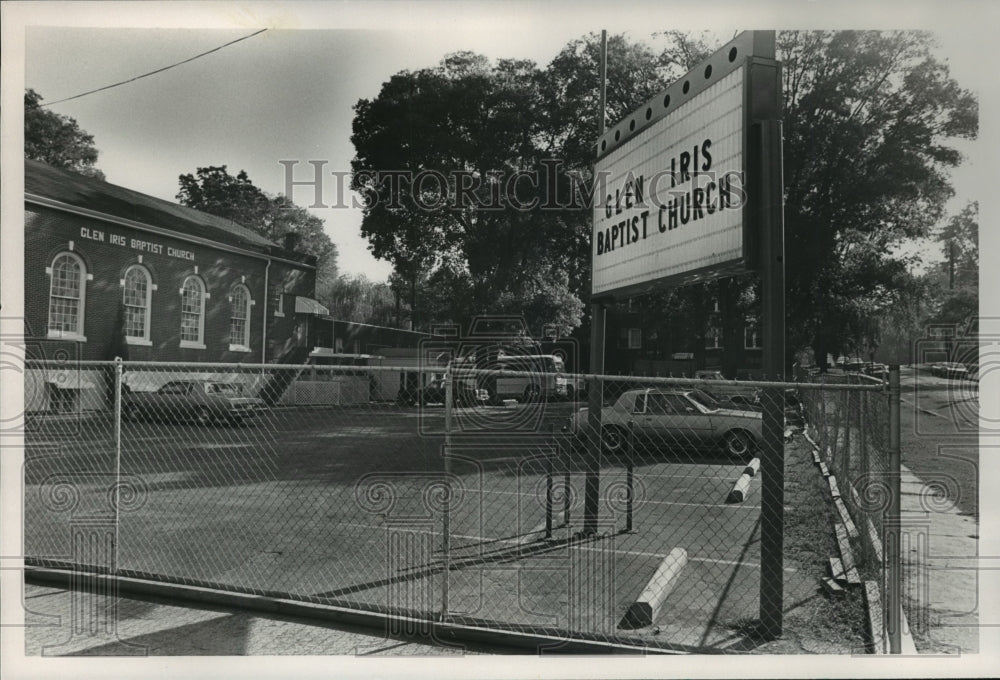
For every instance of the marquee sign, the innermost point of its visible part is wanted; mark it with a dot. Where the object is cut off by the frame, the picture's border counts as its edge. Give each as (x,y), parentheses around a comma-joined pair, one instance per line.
(675,175)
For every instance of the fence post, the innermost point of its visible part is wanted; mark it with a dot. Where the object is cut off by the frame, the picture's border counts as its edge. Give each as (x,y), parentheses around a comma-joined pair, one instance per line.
(845,465)
(118,450)
(566,499)
(629,477)
(595,399)
(893,546)
(449,395)
(548,482)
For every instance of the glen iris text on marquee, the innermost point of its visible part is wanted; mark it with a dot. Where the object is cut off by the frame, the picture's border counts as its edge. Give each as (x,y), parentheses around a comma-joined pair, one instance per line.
(673,208)
(674,195)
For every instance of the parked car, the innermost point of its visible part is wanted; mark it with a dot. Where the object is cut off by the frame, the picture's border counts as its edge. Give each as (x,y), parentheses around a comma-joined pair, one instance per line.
(201,401)
(949,369)
(465,394)
(663,418)
(876,370)
(738,396)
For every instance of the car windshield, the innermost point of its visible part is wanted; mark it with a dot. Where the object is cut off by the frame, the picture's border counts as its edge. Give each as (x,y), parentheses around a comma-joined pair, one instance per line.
(704,399)
(222,388)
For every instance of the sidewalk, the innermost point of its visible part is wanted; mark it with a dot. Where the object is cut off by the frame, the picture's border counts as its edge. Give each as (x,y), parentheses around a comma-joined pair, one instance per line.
(156,627)
(941,564)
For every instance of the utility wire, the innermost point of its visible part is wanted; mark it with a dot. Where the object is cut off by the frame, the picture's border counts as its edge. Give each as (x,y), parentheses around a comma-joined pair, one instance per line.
(159,70)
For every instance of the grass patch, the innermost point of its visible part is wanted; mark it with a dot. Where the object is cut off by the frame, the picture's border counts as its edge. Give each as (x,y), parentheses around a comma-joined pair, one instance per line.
(813,623)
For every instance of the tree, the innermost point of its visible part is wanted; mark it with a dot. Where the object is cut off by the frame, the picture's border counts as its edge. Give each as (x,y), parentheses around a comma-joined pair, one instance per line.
(56,139)
(954,283)
(213,190)
(867,121)
(356,298)
(483,123)
(960,241)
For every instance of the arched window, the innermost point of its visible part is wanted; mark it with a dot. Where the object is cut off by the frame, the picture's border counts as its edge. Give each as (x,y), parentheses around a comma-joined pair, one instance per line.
(239,319)
(137,296)
(193,313)
(67,295)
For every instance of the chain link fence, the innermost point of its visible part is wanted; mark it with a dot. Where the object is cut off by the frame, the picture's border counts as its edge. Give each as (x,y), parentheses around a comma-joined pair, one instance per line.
(853,420)
(434,493)
(852,433)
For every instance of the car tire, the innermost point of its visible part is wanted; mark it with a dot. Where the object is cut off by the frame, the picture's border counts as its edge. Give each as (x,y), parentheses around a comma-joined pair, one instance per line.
(738,444)
(613,439)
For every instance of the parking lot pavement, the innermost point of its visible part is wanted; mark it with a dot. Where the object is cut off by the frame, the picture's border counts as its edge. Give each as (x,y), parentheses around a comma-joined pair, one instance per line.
(310,501)
(155,627)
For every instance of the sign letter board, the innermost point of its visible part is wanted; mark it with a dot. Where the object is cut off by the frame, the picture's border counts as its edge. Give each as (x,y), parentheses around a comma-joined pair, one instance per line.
(673,200)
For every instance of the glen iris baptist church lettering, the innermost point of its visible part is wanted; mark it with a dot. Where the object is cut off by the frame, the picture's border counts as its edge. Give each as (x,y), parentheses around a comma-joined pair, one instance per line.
(673,208)
(674,193)
(134,244)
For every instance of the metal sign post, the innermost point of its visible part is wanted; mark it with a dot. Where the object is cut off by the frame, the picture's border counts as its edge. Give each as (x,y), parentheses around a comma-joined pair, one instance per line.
(595,391)
(772,460)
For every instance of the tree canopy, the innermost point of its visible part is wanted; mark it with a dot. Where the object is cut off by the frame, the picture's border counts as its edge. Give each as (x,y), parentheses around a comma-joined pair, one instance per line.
(56,139)
(213,190)
(505,138)
(356,298)
(869,121)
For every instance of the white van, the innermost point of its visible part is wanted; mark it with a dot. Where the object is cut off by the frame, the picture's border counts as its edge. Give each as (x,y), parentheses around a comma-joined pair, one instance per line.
(546,378)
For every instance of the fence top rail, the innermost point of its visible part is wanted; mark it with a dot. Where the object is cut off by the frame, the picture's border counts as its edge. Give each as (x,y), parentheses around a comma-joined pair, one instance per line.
(871,385)
(689,382)
(194,367)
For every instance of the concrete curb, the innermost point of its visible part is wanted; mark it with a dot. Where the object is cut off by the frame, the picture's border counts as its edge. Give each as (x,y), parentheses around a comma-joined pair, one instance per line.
(873,606)
(846,555)
(646,608)
(740,489)
(845,568)
(879,644)
(845,516)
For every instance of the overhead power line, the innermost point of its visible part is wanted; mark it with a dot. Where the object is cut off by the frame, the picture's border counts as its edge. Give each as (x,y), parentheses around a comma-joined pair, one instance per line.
(159,70)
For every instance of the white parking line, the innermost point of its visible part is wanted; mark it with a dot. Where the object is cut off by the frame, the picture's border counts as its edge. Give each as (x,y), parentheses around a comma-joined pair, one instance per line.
(519,541)
(642,501)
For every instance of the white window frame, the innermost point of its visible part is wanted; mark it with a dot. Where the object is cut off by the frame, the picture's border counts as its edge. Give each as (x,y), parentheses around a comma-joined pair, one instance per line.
(82,300)
(200,342)
(238,346)
(279,302)
(144,340)
(751,336)
(634,338)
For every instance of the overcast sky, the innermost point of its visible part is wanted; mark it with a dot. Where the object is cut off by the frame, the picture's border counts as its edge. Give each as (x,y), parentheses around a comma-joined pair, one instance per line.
(287,94)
